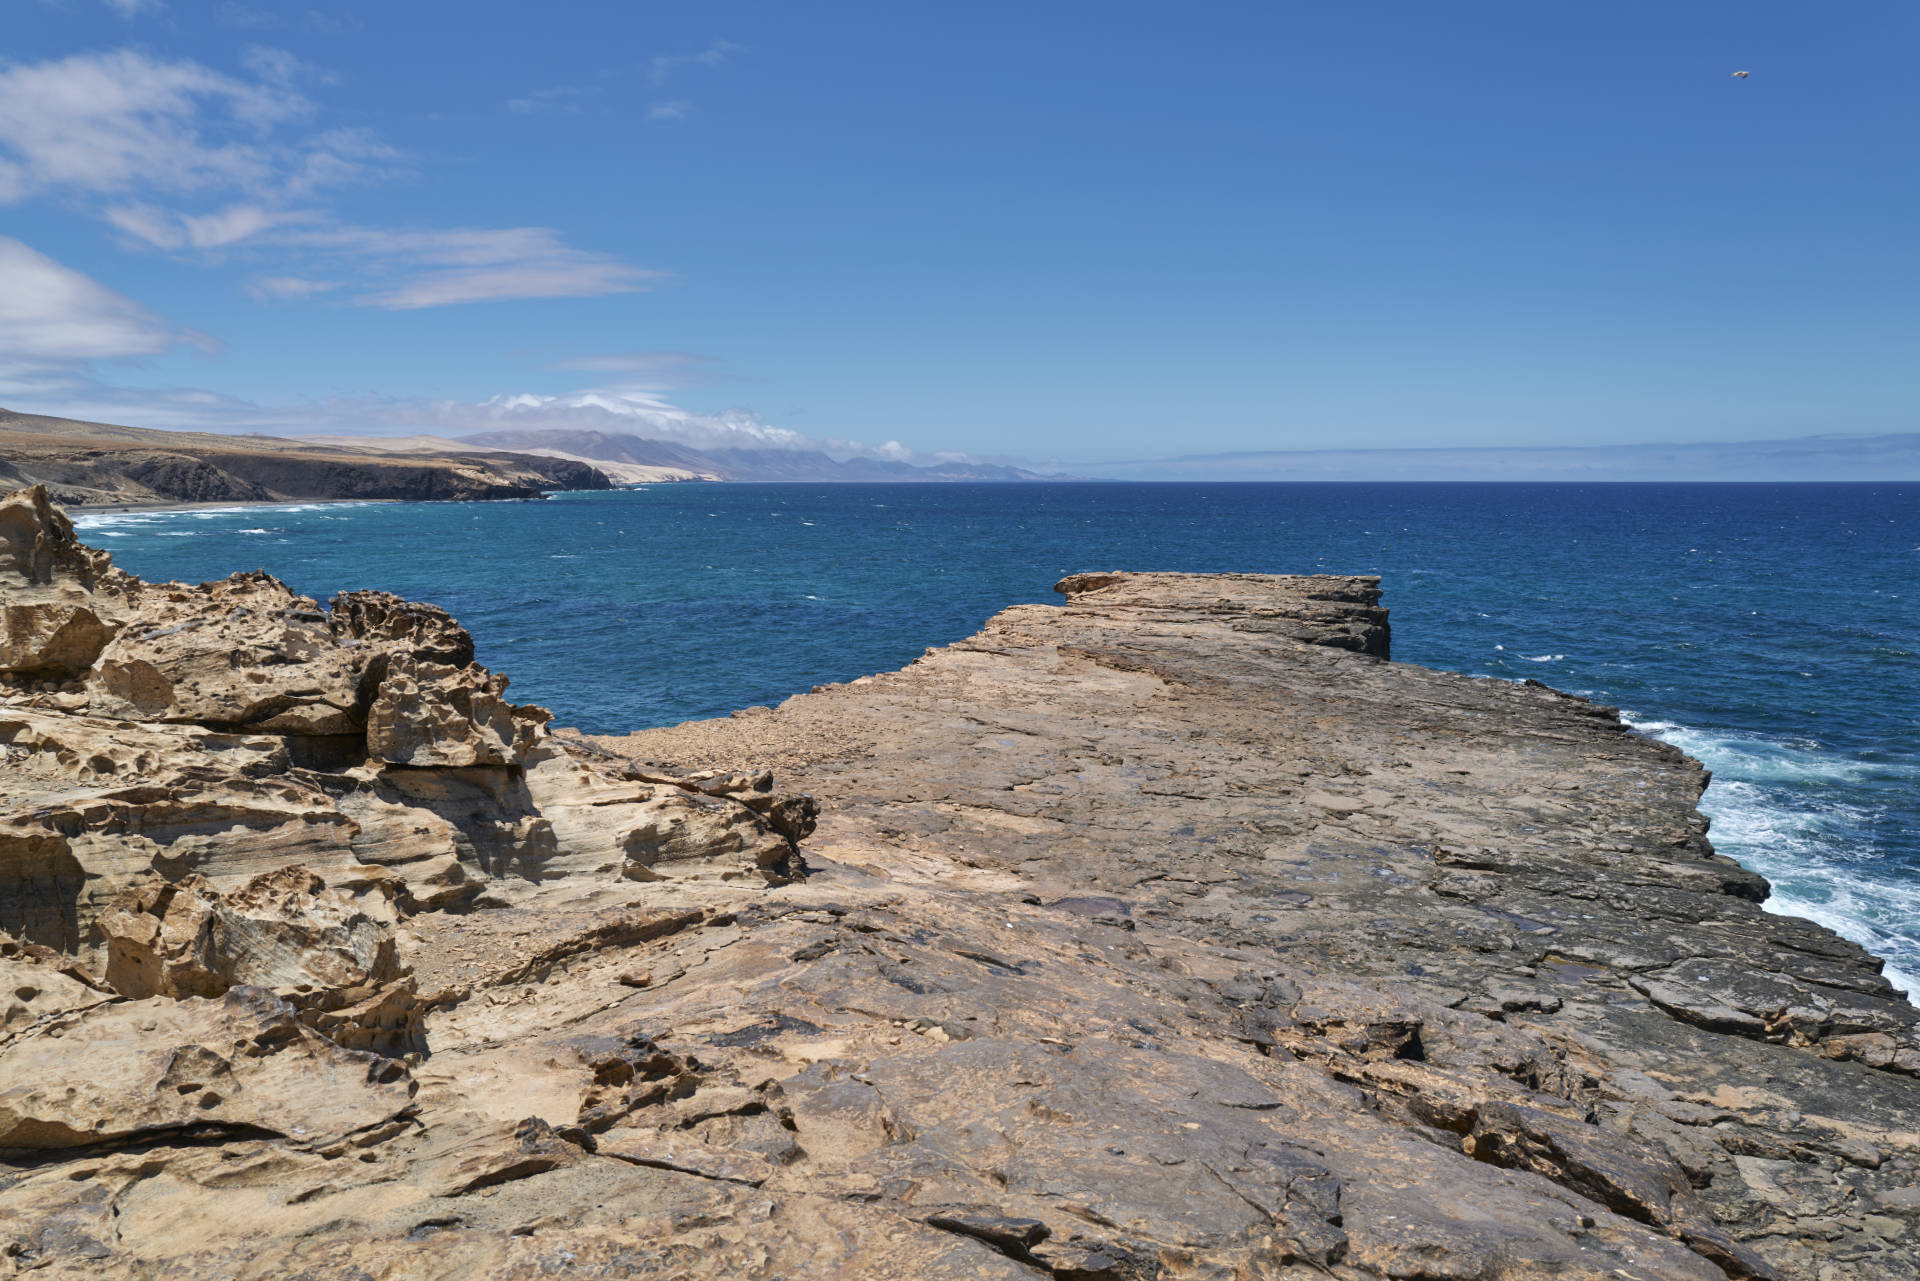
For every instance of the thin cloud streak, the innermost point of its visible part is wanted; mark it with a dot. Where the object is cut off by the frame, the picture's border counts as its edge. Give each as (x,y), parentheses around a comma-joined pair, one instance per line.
(661,68)
(563,99)
(475,264)
(177,157)
(662,369)
(52,315)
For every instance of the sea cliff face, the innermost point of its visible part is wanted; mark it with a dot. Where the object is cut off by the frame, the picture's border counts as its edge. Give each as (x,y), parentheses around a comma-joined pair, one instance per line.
(1170,933)
(100,464)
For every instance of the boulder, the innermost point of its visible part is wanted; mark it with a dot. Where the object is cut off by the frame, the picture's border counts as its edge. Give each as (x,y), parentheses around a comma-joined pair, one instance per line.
(60,601)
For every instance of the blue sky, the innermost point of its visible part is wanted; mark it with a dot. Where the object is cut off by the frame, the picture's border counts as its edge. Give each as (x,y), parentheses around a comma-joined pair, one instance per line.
(1063,233)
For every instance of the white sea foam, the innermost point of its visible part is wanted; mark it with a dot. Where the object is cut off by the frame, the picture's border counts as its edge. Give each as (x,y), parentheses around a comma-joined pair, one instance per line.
(110,520)
(1542,658)
(1774,811)
(1758,759)
(156,516)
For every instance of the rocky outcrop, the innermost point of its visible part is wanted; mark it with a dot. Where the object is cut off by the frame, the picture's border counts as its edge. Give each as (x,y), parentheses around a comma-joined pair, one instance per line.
(1170,934)
(222,803)
(228,730)
(64,600)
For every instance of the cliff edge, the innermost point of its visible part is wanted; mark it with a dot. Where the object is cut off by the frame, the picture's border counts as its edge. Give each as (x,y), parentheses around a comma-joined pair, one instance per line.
(101,464)
(1169,933)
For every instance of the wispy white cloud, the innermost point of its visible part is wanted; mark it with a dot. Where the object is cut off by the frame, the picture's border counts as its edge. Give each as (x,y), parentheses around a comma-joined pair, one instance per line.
(52,316)
(560,99)
(623,410)
(470,264)
(179,157)
(134,8)
(167,229)
(109,123)
(288,288)
(277,66)
(658,370)
(628,410)
(661,69)
(666,66)
(571,273)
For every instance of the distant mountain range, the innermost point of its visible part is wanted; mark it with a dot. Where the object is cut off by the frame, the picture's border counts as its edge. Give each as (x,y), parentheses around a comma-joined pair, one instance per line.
(1891,457)
(612,452)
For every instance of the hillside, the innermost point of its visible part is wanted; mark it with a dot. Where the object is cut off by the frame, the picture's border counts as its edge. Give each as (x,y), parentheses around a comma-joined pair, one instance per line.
(85,463)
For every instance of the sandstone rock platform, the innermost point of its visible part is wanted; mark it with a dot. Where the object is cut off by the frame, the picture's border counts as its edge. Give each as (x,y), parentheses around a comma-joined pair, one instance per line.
(1170,933)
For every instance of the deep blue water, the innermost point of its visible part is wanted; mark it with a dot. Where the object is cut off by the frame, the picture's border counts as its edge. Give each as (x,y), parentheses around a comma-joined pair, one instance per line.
(1773,631)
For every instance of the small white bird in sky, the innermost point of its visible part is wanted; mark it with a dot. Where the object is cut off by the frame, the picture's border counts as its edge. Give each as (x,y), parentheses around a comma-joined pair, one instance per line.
(1741,75)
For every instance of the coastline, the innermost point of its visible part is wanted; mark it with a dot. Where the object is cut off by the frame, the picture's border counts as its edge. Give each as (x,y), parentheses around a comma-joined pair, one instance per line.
(1170,931)
(1744,817)
(79,510)
(1741,809)
(1182,870)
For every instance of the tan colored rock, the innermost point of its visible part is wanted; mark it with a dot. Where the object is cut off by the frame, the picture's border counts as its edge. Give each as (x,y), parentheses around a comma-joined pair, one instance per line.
(389,623)
(60,601)
(38,983)
(329,954)
(433,714)
(1167,934)
(244,652)
(284,931)
(142,1069)
(681,834)
(231,729)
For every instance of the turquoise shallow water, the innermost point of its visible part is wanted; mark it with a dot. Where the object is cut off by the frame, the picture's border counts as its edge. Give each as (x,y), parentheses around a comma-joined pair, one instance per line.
(1773,631)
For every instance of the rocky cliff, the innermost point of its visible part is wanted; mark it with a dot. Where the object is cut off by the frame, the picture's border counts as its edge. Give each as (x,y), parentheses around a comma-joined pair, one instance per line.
(1171,933)
(96,463)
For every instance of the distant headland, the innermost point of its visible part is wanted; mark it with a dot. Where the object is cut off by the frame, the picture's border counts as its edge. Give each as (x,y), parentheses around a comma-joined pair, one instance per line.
(92,464)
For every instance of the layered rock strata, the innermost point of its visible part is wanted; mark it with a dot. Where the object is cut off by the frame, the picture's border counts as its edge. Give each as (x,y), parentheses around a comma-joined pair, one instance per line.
(98,463)
(222,808)
(1172,933)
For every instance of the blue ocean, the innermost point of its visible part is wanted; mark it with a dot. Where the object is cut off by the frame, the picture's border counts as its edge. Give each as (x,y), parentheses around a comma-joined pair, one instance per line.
(1772,631)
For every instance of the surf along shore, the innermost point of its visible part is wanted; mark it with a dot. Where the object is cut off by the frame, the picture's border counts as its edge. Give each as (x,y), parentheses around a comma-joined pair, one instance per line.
(1171,932)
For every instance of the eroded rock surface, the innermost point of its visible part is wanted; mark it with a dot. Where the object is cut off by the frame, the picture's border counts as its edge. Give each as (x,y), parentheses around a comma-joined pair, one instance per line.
(1172,933)
(229,730)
